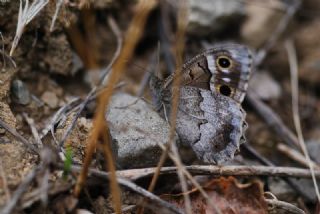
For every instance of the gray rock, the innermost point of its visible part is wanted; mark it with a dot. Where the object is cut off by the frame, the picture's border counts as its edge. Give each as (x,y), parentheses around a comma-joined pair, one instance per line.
(20,92)
(281,189)
(265,86)
(208,16)
(313,147)
(50,99)
(136,130)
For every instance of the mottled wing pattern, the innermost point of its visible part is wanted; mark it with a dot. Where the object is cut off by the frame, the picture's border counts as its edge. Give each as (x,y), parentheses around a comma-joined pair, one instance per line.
(226,69)
(213,85)
(213,125)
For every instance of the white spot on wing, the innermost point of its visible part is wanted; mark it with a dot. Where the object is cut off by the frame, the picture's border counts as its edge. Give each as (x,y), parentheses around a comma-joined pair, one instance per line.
(226,79)
(211,64)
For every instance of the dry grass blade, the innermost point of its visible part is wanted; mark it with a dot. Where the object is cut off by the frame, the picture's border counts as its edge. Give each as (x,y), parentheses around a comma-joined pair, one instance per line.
(182,23)
(295,108)
(25,16)
(99,124)
(295,155)
(56,12)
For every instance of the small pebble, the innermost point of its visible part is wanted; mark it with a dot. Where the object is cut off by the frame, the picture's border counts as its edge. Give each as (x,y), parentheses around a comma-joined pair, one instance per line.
(20,92)
(50,99)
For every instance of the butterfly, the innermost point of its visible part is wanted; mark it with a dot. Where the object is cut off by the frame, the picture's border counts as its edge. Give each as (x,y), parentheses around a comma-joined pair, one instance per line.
(210,118)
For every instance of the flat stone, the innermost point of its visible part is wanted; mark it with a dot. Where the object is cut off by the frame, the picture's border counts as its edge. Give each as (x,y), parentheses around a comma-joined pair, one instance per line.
(207,16)
(264,86)
(136,130)
(50,99)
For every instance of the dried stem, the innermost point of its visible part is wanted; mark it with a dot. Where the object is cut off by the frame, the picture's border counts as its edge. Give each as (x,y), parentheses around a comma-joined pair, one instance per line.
(293,62)
(182,22)
(99,124)
(295,155)
(276,205)
(273,120)
(247,171)
(34,130)
(25,16)
(169,208)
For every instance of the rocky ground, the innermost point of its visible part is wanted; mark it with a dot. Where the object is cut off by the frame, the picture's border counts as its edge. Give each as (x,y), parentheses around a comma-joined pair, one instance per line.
(49,85)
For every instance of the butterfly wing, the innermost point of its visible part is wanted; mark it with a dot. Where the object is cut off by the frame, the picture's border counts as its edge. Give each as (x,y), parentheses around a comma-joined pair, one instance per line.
(226,69)
(230,66)
(212,124)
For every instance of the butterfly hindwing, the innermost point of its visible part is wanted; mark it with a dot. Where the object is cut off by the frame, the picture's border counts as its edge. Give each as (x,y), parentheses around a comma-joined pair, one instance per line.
(212,124)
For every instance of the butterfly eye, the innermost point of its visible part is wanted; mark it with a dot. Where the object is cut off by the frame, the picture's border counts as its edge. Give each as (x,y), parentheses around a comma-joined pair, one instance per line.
(225,90)
(224,62)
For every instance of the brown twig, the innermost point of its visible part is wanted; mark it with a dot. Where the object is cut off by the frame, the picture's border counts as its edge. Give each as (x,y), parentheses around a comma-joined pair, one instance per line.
(134,33)
(116,31)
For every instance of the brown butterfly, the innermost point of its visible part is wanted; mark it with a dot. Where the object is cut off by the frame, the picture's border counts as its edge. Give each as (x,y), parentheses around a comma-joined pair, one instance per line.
(210,118)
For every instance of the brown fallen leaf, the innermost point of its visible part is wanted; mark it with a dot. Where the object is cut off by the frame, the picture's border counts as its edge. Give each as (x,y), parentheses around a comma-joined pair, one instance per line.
(228,195)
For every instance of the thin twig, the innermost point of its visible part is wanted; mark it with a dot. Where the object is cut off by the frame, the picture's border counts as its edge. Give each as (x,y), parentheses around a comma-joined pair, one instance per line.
(266,162)
(34,130)
(116,31)
(19,137)
(295,155)
(276,205)
(24,185)
(130,185)
(293,63)
(247,171)
(47,158)
(272,120)
(57,117)
(146,78)
(110,166)
(182,22)
(76,116)
(174,158)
